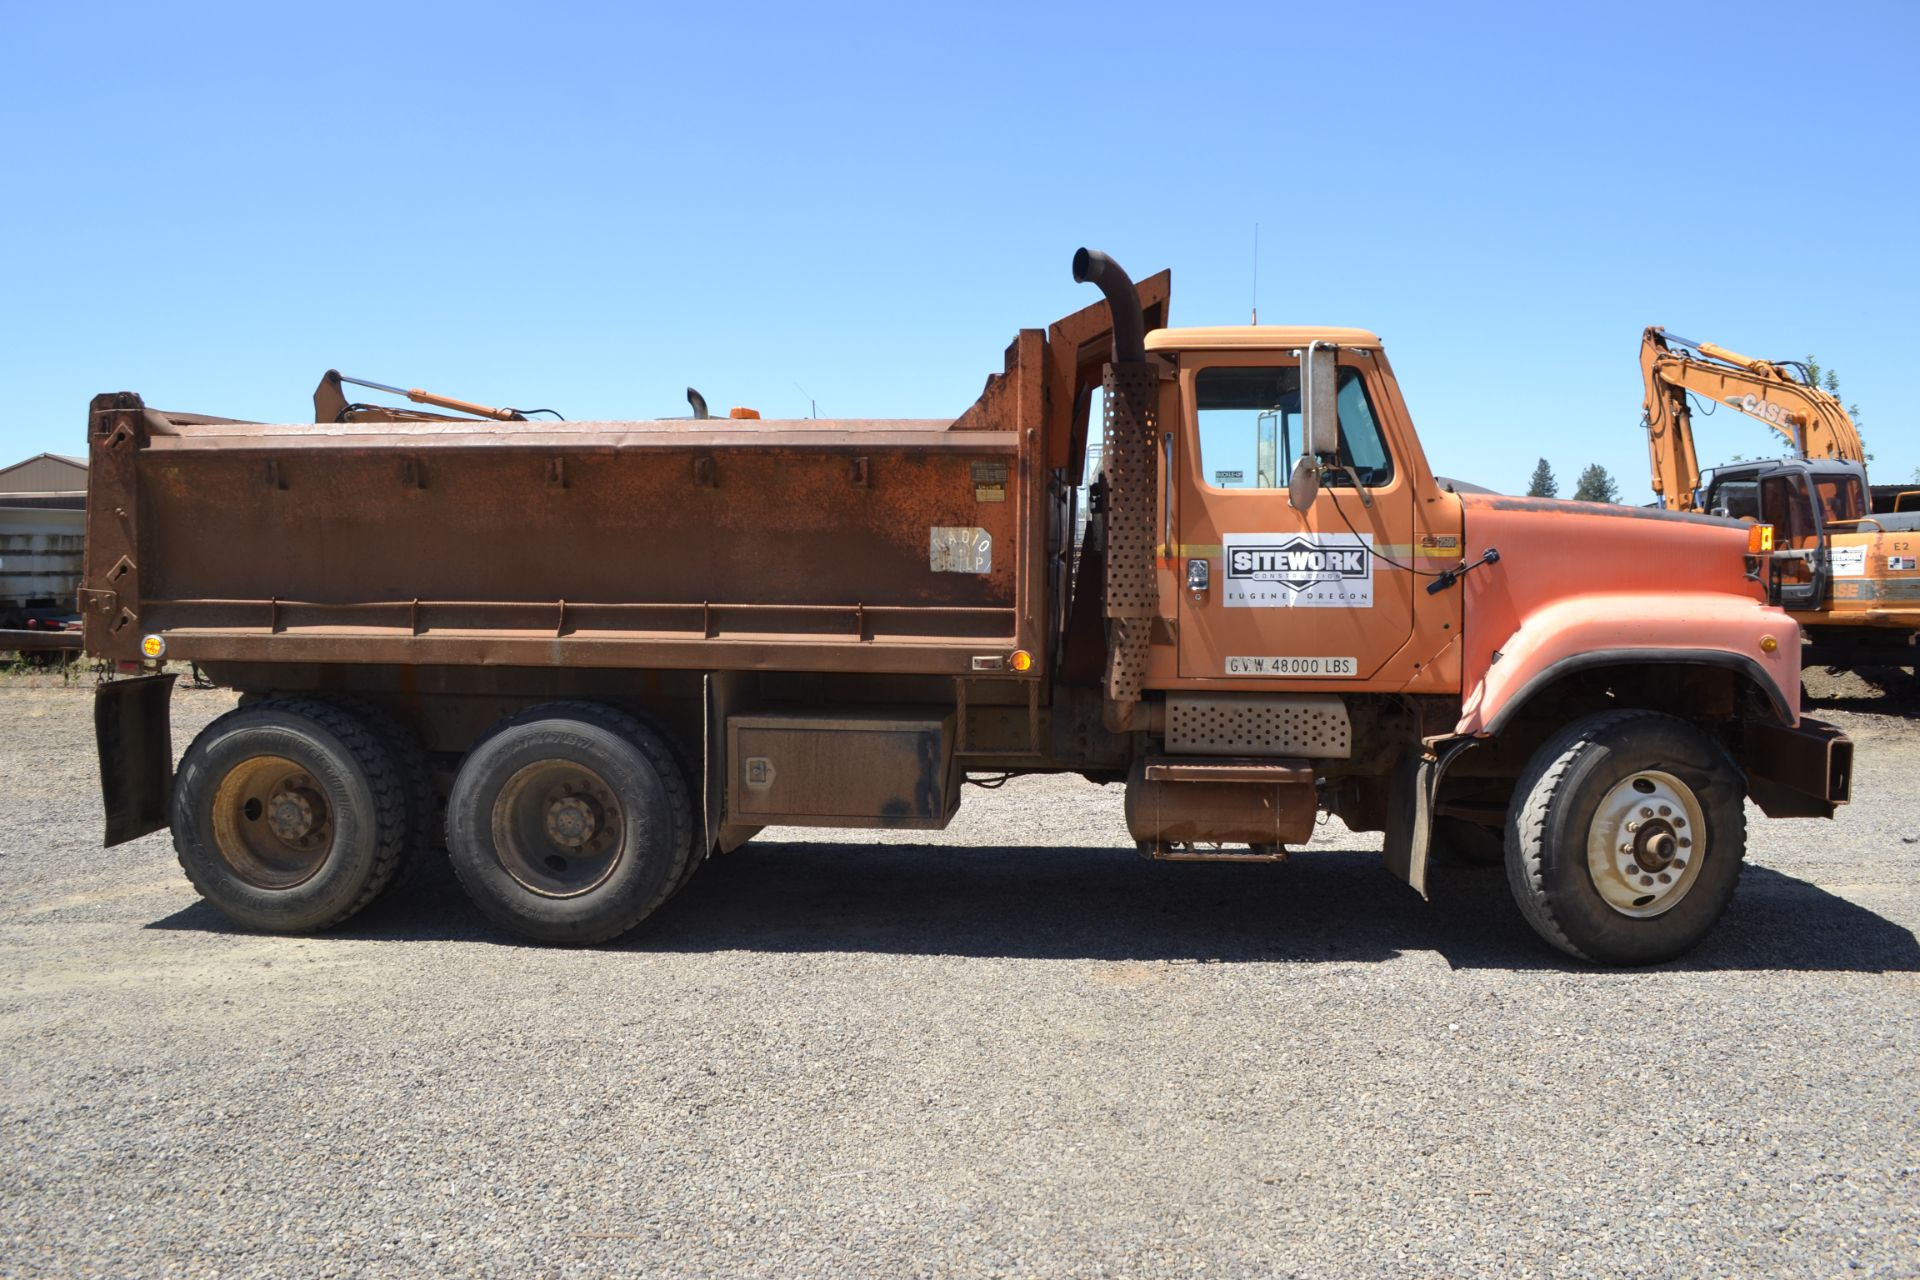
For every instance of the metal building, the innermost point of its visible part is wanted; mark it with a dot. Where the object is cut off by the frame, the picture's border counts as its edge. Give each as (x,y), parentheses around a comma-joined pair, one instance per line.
(43,504)
(45,480)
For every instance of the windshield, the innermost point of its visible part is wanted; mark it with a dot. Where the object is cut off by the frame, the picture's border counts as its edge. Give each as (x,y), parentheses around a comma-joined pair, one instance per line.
(1840,497)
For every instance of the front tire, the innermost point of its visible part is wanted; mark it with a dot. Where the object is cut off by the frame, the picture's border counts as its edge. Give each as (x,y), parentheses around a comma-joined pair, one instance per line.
(570,823)
(1626,836)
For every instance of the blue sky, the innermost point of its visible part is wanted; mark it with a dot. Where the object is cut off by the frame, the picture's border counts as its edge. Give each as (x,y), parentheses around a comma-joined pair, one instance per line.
(591,206)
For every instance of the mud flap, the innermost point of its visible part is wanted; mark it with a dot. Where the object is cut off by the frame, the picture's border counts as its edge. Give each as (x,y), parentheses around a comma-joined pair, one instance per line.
(721,693)
(133,729)
(1416,781)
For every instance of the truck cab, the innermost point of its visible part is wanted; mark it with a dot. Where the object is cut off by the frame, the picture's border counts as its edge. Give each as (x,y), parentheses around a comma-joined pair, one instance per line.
(1266,593)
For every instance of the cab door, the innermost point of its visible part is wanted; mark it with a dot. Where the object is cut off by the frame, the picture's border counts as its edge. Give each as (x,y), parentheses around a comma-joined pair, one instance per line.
(1268,593)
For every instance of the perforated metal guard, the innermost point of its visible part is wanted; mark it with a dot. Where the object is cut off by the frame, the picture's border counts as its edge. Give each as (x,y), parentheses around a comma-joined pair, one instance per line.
(1129,459)
(1127,657)
(1310,725)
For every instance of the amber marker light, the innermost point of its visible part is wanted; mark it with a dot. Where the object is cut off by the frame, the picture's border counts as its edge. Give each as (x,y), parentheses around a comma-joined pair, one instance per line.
(1021,660)
(1759,539)
(1768,644)
(154,647)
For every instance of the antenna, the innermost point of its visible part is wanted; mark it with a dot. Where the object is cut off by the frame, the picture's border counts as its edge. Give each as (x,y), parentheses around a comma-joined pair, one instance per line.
(813,409)
(1256,273)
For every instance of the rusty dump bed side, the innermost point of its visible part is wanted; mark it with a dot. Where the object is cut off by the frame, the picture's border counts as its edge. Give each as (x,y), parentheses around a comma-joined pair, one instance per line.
(659,544)
(880,546)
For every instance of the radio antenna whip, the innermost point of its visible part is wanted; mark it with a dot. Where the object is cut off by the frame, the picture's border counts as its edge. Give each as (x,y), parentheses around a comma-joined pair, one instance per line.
(1256,273)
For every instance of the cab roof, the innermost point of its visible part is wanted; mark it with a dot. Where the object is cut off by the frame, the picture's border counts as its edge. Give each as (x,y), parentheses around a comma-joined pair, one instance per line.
(1228,337)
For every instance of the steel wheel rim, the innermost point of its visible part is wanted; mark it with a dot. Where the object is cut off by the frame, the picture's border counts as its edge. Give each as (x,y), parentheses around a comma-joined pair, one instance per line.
(558,828)
(1644,845)
(272,822)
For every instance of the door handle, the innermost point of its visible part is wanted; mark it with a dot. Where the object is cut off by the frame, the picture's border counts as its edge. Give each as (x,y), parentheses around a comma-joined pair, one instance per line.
(1199,575)
(1166,493)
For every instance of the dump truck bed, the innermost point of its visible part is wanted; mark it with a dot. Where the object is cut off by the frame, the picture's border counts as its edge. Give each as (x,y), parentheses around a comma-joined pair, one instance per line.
(806,545)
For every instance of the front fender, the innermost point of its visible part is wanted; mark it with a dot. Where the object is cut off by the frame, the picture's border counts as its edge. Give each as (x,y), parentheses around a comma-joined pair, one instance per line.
(1617,628)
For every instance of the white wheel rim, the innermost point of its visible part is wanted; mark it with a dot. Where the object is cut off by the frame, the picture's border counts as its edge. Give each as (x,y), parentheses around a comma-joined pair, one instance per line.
(1645,844)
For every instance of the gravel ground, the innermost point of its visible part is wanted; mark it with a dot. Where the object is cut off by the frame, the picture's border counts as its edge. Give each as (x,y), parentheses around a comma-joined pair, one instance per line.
(1012,1048)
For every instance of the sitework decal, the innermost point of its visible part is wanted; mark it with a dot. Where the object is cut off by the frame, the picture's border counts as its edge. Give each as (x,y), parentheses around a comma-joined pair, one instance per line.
(1295,570)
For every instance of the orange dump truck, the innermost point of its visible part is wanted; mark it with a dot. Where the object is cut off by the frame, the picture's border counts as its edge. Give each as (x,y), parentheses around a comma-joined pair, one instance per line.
(582,657)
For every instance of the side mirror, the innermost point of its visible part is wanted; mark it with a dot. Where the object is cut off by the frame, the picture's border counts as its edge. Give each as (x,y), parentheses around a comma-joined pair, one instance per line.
(1320,426)
(1320,401)
(1304,485)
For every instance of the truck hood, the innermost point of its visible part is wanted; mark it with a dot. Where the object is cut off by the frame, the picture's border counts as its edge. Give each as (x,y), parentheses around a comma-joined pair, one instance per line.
(1580,579)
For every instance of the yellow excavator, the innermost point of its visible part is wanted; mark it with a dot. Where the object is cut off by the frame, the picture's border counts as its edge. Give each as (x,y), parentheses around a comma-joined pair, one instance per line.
(1848,575)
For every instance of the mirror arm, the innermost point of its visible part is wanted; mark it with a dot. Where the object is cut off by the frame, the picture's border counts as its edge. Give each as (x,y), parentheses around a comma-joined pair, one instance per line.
(1366,495)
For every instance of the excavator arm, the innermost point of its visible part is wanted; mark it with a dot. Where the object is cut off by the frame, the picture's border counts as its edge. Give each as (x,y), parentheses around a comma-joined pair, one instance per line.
(1778,395)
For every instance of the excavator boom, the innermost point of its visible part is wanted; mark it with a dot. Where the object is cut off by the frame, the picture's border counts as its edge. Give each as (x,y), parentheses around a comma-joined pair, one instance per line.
(1777,394)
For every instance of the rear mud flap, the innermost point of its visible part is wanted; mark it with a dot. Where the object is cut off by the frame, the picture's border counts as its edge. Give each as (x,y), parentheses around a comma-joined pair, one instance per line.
(134,731)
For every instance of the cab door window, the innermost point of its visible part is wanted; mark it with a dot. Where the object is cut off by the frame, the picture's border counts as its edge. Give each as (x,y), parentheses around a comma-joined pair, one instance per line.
(1249,425)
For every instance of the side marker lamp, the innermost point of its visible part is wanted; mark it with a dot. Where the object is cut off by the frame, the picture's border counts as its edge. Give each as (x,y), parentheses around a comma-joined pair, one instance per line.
(1759,539)
(154,647)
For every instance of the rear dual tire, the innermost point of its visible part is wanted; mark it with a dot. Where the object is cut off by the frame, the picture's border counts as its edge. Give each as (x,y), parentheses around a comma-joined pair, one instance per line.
(571,823)
(290,815)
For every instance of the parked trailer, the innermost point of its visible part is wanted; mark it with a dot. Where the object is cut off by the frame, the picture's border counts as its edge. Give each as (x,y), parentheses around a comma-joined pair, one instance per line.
(609,650)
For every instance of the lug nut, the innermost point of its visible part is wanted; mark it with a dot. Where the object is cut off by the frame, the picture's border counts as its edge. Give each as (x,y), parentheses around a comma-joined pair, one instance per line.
(1666,810)
(1646,812)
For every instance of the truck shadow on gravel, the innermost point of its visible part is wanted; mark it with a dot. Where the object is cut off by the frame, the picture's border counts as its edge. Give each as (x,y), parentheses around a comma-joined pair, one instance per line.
(1110,904)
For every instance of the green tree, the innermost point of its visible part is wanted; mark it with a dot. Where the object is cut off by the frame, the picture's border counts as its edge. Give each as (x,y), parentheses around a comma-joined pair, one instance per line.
(1543,485)
(1596,486)
(1828,380)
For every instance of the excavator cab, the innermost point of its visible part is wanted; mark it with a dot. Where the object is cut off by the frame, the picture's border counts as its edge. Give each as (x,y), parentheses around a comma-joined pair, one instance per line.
(1803,499)
(1798,496)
